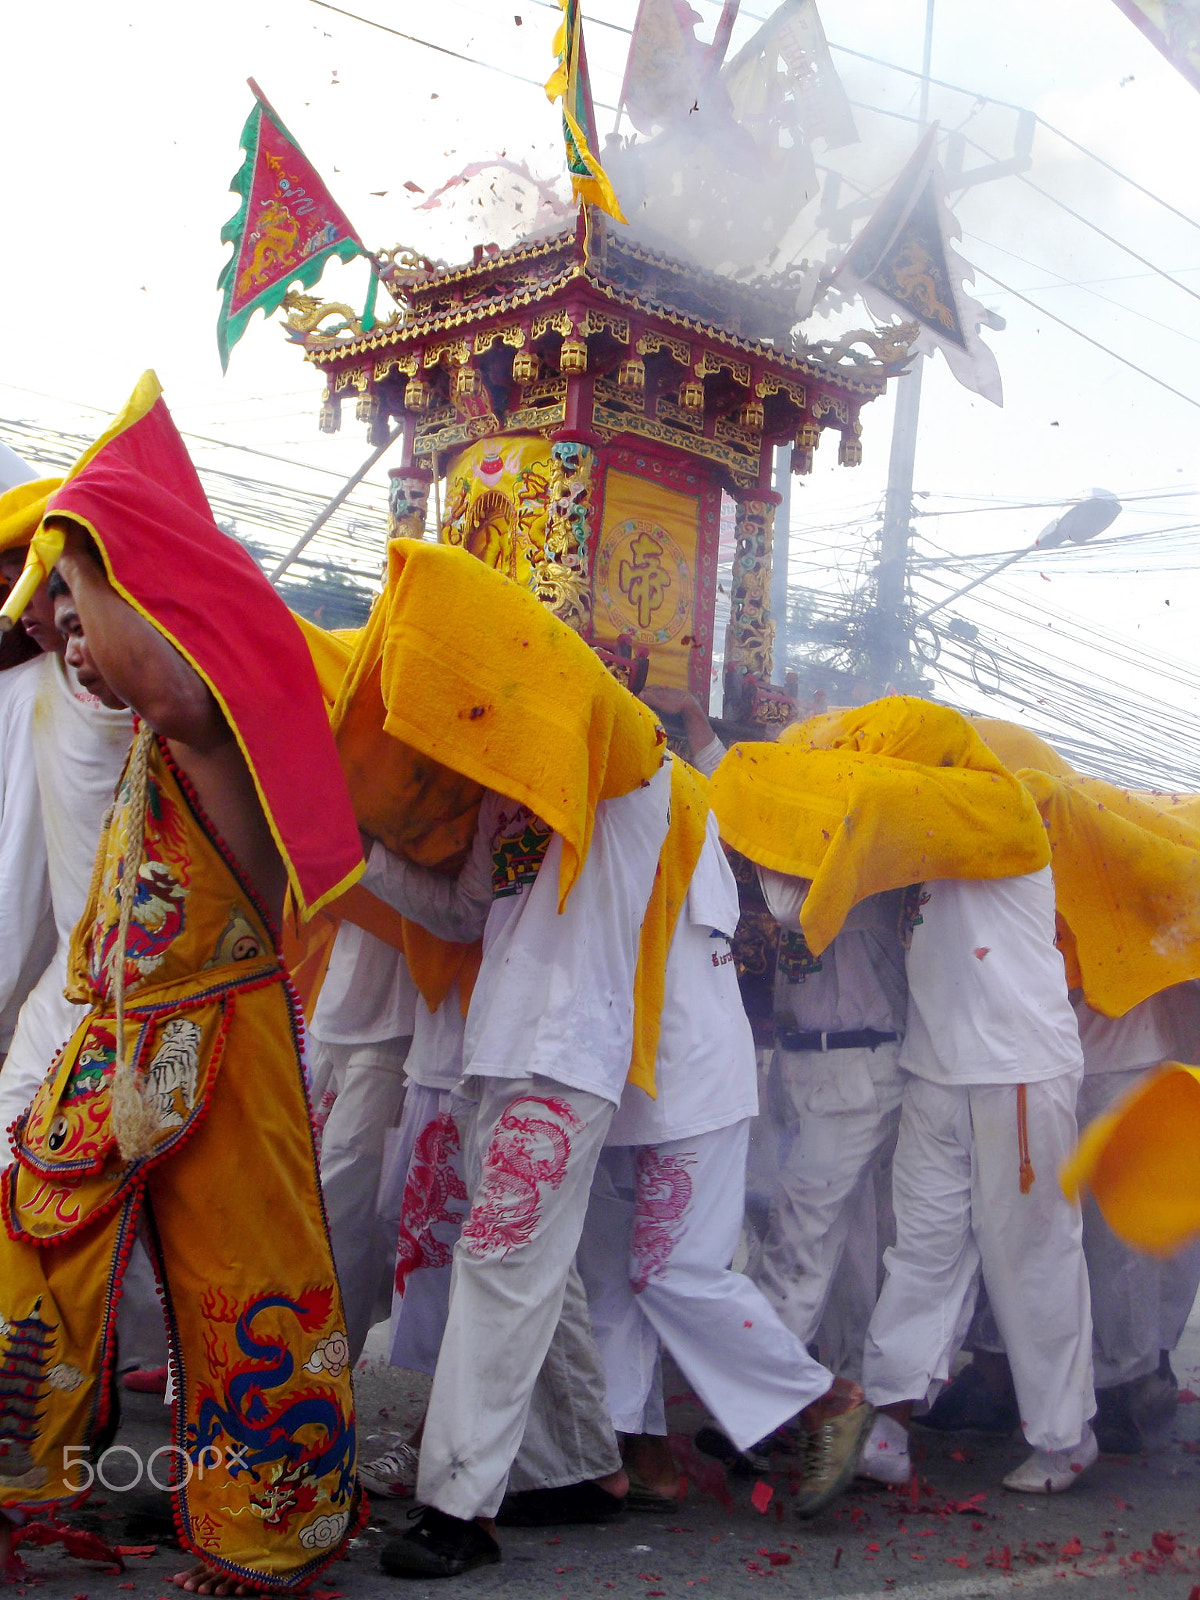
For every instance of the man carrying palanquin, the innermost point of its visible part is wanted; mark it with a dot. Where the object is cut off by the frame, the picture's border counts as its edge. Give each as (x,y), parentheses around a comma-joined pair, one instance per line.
(179,1101)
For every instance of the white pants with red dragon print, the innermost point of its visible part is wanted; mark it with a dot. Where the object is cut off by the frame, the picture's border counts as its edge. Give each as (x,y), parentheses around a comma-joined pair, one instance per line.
(516,1320)
(662,1228)
(423,1195)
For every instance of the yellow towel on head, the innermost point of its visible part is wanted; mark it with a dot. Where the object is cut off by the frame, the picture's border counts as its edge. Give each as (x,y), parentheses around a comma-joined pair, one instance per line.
(22,509)
(1141,1161)
(332,651)
(676,863)
(877,798)
(1127,889)
(1126,874)
(472,673)
(461,680)
(1018,748)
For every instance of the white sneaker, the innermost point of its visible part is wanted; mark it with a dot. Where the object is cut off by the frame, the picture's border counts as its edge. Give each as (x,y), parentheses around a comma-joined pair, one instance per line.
(885,1455)
(1052,1471)
(393,1475)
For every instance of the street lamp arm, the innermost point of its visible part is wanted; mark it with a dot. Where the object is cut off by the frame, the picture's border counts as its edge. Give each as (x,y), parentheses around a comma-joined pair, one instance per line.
(975,582)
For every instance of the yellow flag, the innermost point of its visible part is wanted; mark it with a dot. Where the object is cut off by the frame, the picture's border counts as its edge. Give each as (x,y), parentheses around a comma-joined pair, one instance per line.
(569,82)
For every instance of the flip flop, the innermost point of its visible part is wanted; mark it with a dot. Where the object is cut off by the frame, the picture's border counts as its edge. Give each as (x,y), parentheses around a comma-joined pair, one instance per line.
(643,1498)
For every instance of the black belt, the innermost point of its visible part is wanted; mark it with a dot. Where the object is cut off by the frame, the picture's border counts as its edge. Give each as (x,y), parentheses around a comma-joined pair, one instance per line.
(856,1039)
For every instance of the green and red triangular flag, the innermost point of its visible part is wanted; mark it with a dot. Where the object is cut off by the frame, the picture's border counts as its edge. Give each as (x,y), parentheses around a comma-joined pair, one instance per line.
(286,229)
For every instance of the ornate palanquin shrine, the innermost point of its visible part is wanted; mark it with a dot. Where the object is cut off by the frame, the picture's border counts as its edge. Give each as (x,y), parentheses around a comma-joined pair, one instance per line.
(585,402)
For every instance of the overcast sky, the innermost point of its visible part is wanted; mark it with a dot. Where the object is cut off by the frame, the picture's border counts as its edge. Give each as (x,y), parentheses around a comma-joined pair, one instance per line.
(122,125)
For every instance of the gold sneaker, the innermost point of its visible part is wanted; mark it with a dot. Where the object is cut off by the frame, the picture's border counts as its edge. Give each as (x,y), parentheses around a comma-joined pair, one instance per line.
(831,1458)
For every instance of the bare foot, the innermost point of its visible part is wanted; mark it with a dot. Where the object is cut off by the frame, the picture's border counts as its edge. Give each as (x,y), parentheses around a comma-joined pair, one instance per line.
(648,1457)
(203,1579)
(617,1483)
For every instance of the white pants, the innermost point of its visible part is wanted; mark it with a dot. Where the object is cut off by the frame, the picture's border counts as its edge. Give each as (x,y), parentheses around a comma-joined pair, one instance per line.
(842,1109)
(423,1198)
(663,1224)
(959,1208)
(45,1023)
(1139,1303)
(367,1082)
(141,1326)
(531,1150)
(850,1305)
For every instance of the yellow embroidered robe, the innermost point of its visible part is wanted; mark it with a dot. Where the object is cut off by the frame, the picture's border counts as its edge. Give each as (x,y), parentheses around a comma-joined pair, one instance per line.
(227,1199)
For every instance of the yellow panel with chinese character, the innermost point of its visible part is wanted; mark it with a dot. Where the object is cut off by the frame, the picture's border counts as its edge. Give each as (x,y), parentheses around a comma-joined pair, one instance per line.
(645,572)
(496,494)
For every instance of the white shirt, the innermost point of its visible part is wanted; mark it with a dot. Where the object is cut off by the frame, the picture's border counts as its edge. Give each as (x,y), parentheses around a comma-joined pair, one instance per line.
(554,995)
(987,990)
(79,749)
(705,1072)
(1141,1038)
(27,929)
(367,995)
(436,1058)
(859,981)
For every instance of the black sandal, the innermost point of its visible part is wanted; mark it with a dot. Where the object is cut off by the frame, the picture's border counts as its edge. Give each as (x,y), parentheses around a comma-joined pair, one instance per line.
(438,1546)
(559,1508)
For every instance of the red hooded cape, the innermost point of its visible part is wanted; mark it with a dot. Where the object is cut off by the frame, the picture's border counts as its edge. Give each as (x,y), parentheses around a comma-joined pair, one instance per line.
(137,493)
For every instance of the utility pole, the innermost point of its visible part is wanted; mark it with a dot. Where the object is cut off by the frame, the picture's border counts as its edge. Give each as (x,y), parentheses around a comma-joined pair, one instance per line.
(887,640)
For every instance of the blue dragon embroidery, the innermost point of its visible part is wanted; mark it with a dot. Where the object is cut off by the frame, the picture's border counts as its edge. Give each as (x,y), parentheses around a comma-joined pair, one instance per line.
(265,1435)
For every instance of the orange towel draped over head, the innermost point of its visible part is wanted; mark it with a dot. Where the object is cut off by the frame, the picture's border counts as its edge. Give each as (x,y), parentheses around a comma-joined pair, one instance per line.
(876,798)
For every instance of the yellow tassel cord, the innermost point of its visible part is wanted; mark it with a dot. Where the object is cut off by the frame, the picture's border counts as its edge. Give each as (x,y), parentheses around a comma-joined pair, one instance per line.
(136,1126)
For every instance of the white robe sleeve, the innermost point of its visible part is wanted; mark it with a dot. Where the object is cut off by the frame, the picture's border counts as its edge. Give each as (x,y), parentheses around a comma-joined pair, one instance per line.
(452,908)
(707,761)
(26,922)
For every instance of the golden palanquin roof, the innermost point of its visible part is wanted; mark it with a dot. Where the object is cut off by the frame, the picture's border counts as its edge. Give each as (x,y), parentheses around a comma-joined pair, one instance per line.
(586,330)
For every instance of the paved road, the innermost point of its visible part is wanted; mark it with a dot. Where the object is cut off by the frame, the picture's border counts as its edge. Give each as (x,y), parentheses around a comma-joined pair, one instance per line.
(1127,1523)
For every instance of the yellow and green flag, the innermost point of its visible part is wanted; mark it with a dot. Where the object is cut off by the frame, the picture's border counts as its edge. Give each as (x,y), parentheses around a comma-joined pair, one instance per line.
(569,81)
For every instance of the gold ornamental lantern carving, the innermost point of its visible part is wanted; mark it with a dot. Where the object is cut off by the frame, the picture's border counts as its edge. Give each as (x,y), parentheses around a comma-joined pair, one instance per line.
(573,357)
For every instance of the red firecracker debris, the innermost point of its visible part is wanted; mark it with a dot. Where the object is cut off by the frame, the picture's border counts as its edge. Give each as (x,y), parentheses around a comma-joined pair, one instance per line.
(83,1546)
(980,952)
(1073,1547)
(761,1496)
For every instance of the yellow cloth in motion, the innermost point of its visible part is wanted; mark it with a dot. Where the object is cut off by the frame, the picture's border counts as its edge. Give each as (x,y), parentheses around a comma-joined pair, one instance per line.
(1141,1161)
(264,1409)
(885,795)
(676,862)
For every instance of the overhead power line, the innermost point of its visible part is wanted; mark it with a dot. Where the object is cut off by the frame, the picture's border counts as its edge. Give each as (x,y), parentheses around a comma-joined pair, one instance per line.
(1087,338)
